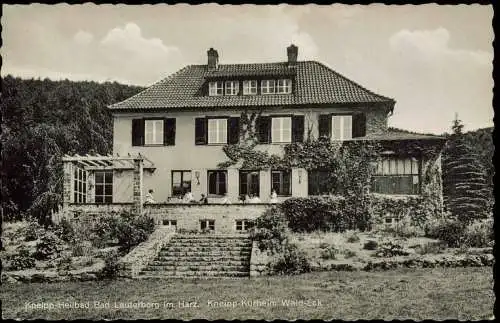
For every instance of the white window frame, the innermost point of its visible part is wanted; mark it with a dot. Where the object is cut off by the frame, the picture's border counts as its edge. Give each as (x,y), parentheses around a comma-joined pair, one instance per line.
(219,127)
(243,226)
(232,87)
(250,87)
(80,185)
(345,127)
(153,132)
(216,88)
(284,86)
(277,127)
(267,85)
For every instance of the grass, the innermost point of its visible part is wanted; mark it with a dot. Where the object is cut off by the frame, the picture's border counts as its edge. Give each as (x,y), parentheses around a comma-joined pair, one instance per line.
(446,293)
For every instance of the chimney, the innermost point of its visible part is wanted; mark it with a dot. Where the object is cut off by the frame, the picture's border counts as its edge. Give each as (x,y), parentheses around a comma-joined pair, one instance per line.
(213,59)
(292,51)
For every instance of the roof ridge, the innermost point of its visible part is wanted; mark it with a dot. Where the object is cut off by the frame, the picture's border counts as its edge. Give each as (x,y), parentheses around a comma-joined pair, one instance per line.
(351,81)
(165,79)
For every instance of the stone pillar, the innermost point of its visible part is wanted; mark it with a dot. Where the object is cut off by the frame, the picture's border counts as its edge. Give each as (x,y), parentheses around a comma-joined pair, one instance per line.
(137,186)
(67,185)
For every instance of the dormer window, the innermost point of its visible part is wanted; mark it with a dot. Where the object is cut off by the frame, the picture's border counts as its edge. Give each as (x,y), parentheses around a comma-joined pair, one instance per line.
(284,86)
(215,88)
(268,86)
(250,87)
(232,87)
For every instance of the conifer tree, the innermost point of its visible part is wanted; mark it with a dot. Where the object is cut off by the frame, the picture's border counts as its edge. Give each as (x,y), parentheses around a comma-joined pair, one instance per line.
(464,178)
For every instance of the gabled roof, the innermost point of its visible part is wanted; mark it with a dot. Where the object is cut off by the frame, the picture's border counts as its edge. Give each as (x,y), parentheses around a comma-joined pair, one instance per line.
(399,134)
(315,84)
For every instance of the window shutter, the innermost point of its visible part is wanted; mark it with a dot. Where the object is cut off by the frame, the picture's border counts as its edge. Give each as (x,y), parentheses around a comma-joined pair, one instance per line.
(138,132)
(169,132)
(264,129)
(200,131)
(297,128)
(233,130)
(359,125)
(325,125)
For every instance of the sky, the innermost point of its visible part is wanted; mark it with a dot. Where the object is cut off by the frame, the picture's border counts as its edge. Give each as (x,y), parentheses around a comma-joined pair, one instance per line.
(434,60)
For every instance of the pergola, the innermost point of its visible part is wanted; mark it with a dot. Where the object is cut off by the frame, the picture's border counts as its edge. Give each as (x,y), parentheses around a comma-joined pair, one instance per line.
(92,163)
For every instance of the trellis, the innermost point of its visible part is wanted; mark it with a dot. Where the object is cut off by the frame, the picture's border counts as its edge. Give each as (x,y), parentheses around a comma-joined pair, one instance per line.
(108,162)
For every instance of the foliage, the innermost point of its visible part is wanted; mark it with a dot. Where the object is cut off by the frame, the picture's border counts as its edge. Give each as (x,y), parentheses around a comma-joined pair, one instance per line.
(479,234)
(42,120)
(449,230)
(48,247)
(64,230)
(370,245)
(306,214)
(390,249)
(32,231)
(352,238)
(111,266)
(405,228)
(130,229)
(22,260)
(465,185)
(65,263)
(431,247)
(349,253)
(290,261)
(81,248)
(270,230)
(329,253)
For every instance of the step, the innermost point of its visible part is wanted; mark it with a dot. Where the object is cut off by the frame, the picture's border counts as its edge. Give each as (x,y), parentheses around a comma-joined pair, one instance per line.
(204,249)
(196,267)
(194,274)
(209,243)
(205,253)
(211,236)
(203,258)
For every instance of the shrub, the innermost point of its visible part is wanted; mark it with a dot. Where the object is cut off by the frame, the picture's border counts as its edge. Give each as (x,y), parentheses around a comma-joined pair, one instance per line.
(64,230)
(431,248)
(81,248)
(448,230)
(32,231)
(479,234)
(270,230)
(111,266)
(390,249)
(324,245)
(352,238)
(405,228)
(65,264)
(329,253)
(349,253)
(130,230)
(22,260)
(48,247)
(291,261)
(316,213)
(370,245)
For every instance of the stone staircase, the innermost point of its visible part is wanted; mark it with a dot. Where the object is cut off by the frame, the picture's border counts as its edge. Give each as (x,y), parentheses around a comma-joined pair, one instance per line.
(202,256)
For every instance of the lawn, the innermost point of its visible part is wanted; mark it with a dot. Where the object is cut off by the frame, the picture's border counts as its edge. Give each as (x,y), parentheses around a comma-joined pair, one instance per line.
(454,293)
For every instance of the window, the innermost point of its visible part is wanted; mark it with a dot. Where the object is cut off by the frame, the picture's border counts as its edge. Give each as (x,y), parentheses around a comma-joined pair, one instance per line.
(249,182)
(397,176)
(181,182)
(250,87)
(232,87)
(284,86)
(104,187)
(217,131)
(318,183)
(280,181)
(207,225)
(217,182)
(281,129)
(170,223)
(215,88)
(267,86)
(153,132)
(80,186)
(342,127)
(243,225)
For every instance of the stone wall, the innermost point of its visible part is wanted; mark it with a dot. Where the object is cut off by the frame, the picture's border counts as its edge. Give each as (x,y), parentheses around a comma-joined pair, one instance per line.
(259,261)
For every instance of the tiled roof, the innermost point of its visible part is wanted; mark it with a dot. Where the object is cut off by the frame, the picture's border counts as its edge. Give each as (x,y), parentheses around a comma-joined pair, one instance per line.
(315,84)
(397,134)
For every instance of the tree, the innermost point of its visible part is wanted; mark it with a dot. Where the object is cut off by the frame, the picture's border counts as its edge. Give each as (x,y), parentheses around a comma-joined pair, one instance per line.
(464,178)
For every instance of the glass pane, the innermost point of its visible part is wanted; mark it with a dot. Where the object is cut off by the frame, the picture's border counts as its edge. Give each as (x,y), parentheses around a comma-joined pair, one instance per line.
(108,199)
(407,166)
(222,129)
(401,166)
(99,190)
(392,166)
(336,128)
(99,177)
(212,183)
(212,131)
(108,177)
(108,190)
(347,124)
(414,167)
(176,178)
(405,185)
(186,176)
